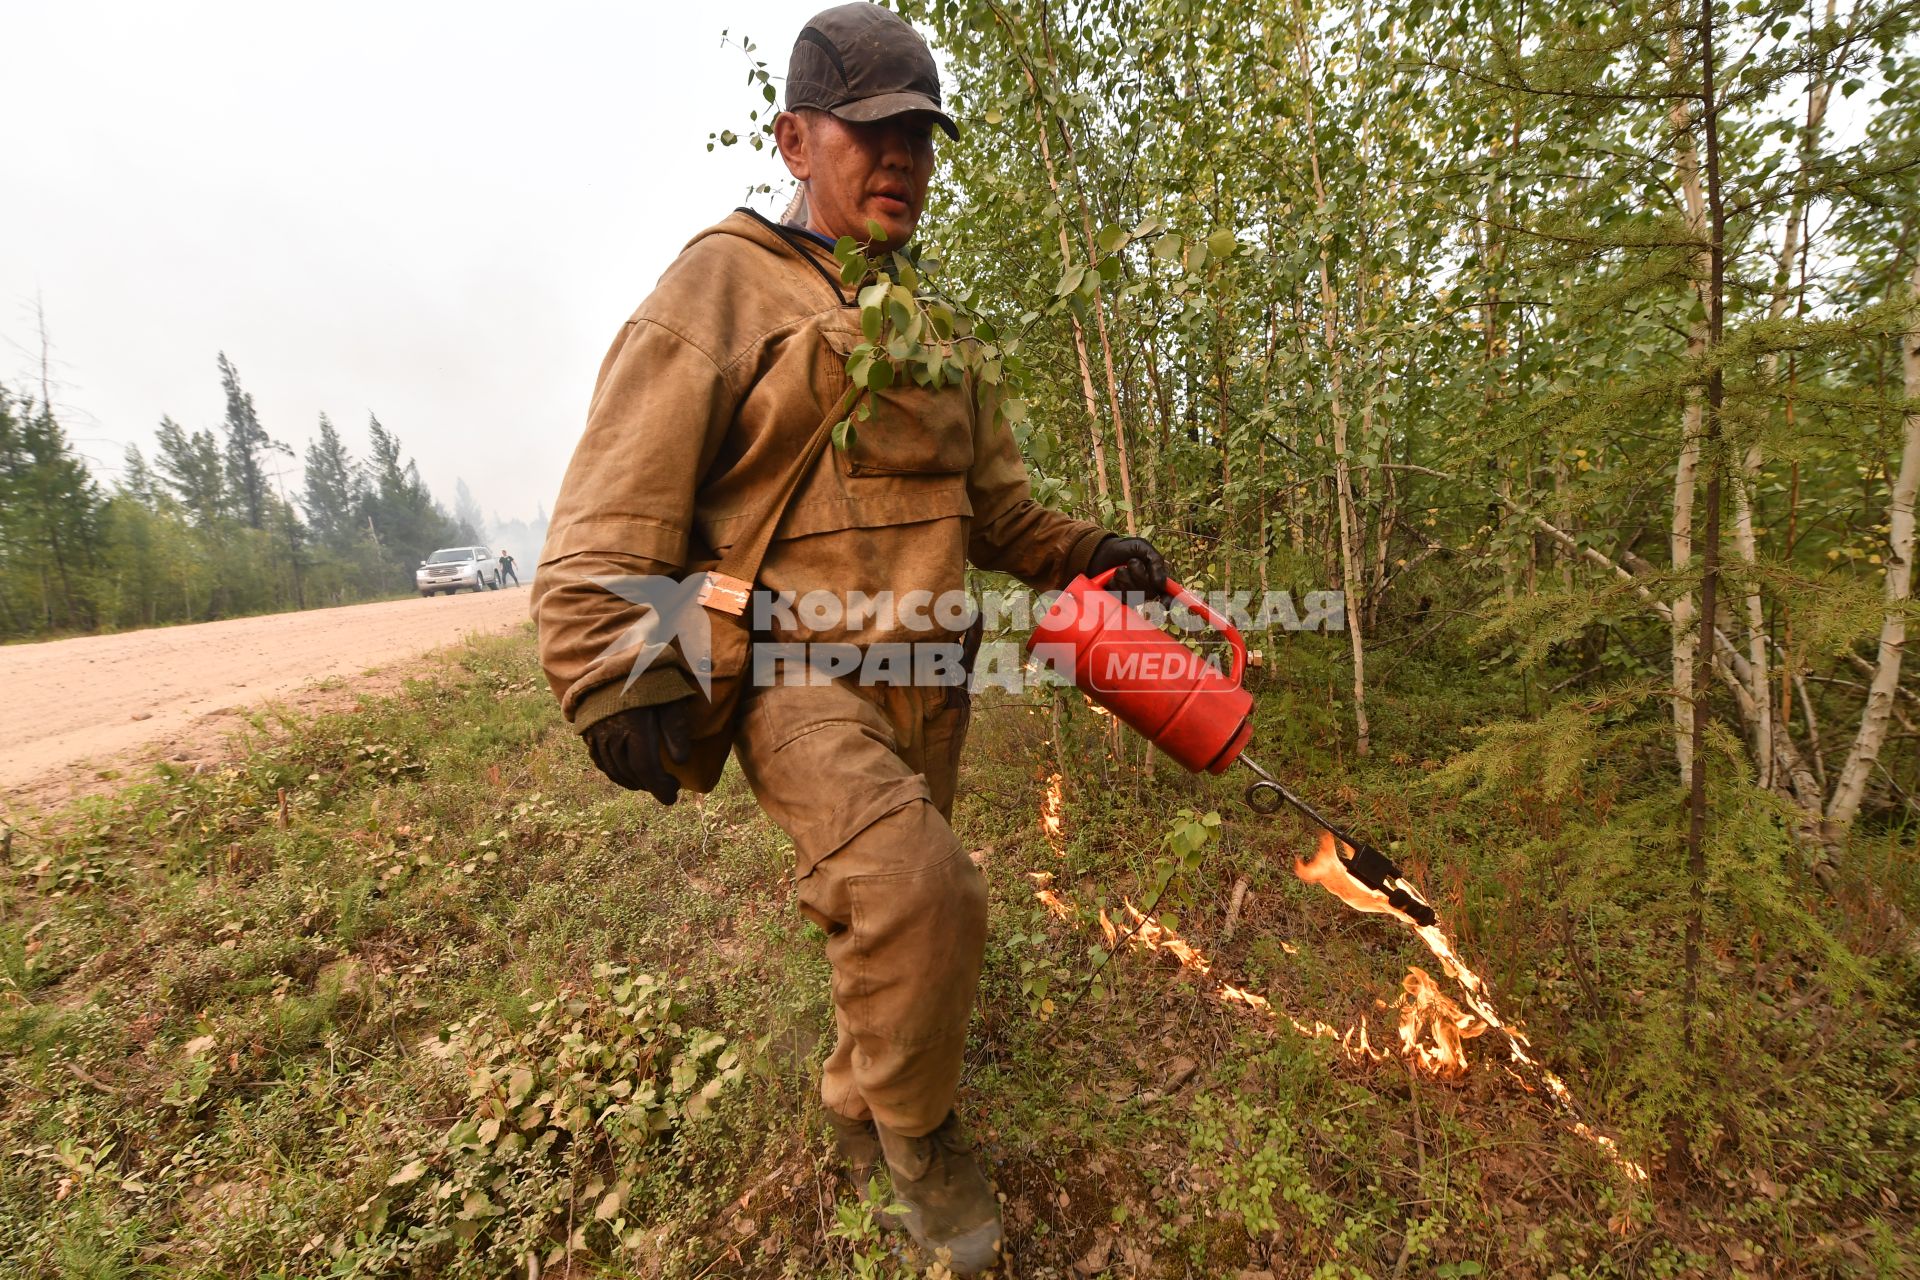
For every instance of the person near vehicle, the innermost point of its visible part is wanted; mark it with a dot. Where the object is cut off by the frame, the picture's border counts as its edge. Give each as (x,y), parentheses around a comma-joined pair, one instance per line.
(506,568)
(707,397)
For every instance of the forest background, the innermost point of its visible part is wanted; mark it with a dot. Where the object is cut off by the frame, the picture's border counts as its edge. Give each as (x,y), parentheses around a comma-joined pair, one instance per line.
(1576,325)
(208,527)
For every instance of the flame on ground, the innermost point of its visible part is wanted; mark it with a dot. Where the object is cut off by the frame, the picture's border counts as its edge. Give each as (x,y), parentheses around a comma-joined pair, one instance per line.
(1433,1028)
(1425,1011)
(1231,994)
(1058,907)
(1325,869)
(1052,817)
(1150,935)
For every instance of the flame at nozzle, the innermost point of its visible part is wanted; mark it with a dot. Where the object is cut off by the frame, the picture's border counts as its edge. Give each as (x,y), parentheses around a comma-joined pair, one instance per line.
(1347,878)
(1357,860)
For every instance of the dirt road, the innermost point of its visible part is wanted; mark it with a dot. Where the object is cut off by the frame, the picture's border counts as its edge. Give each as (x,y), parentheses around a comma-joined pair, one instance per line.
(71,710)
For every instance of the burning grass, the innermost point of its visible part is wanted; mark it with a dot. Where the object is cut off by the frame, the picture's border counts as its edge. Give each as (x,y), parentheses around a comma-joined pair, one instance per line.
(1446,1023)
(1052,816)
(1433,1029)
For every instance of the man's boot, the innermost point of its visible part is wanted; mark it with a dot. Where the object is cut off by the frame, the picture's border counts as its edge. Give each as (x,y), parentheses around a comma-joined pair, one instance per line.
(949,1205)
(858,1143)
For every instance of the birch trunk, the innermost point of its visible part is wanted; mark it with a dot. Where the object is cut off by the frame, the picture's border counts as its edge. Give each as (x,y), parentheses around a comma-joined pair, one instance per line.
(1685,480)
(1337,408)
(1087,394)
(1744,542)
(1121,452)
(1119,423)
(1686,470)
(1343,497)
(1881,689)
(1299,506)
(1266,427)
(1099,308)
(1224,429)
(1162,437)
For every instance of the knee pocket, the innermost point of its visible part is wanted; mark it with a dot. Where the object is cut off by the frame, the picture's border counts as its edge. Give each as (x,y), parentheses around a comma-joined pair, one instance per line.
(918,936)
(908,877)
(824,765)
(908,847)
(950,891)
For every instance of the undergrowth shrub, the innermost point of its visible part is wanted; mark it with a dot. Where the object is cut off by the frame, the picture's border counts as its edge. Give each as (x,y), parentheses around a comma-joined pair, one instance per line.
(576,1108)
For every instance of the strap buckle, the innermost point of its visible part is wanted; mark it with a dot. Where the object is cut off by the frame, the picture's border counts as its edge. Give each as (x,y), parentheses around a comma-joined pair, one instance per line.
(724,594)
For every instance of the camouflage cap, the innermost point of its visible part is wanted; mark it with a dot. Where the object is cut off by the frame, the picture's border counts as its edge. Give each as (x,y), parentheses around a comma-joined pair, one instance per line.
(862,62)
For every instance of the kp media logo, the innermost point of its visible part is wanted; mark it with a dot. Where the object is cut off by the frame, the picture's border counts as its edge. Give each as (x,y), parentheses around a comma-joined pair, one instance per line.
(1120,665)
(914,637)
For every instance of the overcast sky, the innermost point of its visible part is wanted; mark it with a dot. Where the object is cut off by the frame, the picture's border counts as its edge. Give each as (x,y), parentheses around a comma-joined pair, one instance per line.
(438,212)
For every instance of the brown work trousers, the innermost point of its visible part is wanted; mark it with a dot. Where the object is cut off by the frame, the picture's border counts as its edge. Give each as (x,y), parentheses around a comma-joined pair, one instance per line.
(863,780)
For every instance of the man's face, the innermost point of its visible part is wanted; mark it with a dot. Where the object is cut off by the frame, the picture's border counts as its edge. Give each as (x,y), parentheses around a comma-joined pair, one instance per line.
(857,173)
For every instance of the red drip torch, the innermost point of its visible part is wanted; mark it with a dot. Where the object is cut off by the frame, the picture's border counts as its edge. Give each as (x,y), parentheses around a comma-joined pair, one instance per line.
(1182,704)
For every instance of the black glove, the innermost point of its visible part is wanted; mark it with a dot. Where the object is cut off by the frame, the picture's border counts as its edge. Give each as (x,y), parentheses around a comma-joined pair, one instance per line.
(1141,570)
(626,746)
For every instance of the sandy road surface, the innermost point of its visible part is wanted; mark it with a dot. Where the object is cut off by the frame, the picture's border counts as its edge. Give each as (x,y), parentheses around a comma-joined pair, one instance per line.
(71,709)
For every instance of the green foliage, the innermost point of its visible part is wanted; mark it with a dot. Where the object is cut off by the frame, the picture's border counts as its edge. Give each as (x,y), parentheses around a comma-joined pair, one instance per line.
(1041,973)
(50,522)
(571,1109)
(1185,845)
(917,332)
(856,1224)
(1259,1169)
(1549,756)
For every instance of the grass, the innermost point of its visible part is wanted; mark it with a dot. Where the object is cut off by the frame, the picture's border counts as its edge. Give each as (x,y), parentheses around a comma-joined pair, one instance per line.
(471,1005)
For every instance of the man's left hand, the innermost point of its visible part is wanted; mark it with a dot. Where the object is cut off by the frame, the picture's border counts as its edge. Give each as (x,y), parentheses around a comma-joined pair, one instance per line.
(1138,567)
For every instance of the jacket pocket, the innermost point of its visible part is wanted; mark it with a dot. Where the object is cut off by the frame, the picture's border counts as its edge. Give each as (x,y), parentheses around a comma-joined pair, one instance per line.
(910,430)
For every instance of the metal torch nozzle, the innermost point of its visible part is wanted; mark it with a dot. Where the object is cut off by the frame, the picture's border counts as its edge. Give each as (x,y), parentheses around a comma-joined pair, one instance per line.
(1363,862)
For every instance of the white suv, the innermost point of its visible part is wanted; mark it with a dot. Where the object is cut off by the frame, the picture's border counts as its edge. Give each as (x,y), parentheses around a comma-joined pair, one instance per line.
(452,568)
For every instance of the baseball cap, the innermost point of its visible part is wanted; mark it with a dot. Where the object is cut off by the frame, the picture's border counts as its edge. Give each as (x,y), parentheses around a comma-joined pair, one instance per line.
(862,62)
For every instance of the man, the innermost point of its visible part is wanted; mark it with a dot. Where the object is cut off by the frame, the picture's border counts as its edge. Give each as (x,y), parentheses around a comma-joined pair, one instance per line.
(506,568)
(707,396)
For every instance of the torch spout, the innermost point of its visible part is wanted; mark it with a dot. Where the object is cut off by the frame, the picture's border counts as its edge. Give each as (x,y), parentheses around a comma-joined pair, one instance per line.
(1362,860)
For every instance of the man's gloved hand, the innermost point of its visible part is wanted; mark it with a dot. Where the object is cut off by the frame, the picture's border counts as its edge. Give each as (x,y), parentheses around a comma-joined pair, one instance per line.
(1140,567)
(626,746)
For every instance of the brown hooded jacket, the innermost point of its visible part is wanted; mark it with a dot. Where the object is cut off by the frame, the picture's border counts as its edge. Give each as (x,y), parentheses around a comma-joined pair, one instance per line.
(707,394)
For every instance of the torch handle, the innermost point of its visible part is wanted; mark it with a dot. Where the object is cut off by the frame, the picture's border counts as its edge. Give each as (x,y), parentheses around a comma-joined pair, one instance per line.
(1220,624)
(1183,596)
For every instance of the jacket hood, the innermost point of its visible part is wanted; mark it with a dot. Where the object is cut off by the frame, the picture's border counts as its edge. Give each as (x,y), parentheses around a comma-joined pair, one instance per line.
(788,242)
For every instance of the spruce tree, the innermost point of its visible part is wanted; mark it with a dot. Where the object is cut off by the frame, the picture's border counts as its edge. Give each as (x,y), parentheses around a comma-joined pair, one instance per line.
(50,507)
(246,441)
(330,488)
(409,522)
(191,466)
(138,480)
